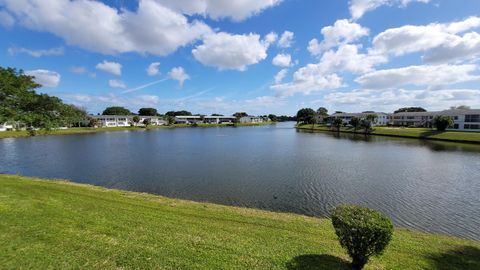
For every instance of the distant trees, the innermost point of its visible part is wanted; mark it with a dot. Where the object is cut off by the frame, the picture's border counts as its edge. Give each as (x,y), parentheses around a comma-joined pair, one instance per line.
(337,123)
(355,122)
(146,122)
(442,122)
(147,112)
(240,114)
(216,114)
(273,117)
(410,109)
(19,103)
(322,113)
(178,113)
(170,120)
(116,110)
(306,116)
(136,120)
(362,232)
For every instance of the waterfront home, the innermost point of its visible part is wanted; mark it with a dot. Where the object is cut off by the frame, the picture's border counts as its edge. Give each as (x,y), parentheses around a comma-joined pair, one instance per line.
(6,126)
(197,119)
(252,119)
(125,120)
(381,120)
(463,119)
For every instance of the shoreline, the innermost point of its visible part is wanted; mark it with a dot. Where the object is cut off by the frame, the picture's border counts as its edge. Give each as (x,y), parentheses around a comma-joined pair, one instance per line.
(411,133)
(90,130)
(61,220)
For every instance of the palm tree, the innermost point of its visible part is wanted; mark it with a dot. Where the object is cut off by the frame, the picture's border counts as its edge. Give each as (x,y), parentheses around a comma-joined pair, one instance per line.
(337,123)
(136,120)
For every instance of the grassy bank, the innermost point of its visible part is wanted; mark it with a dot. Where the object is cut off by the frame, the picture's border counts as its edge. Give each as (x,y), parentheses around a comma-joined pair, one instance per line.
(85,130)
(419,133)
(51,224)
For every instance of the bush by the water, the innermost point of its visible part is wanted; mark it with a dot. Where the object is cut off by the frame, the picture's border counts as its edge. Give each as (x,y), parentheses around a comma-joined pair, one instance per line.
(362,232)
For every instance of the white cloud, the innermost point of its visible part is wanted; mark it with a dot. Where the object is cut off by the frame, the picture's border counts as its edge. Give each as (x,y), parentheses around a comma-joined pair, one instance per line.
(6,20)
(146,99)
(392,99)
(82,70)
(433,76)
(441,43)
(282,60)
(36,53)
(348,58)
(341,32)
(152,69)
(236,9)
(359,7)
(227,51)
(179,74)
(308,79)
(286,39)
(280,75)
(117,84)
(152,28)
(46,78)
(271,37)
(110,67)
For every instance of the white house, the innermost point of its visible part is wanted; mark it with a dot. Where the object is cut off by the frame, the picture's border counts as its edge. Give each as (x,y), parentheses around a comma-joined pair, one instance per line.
(252,119)
(463,119)
(191,119)
(125,120)
(381,120)
(6,126)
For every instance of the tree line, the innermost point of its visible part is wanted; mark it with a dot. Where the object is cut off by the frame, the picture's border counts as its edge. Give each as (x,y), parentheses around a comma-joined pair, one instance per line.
(23,107)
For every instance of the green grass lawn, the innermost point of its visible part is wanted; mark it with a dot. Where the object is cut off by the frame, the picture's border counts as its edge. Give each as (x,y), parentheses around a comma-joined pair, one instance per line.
(83,130)
(421,133)
(56,224)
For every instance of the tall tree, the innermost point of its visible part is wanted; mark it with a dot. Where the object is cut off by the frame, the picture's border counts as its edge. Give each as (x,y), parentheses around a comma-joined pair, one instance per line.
(442,122)
(355,122)
(147,112)
(116,110)
(306,116)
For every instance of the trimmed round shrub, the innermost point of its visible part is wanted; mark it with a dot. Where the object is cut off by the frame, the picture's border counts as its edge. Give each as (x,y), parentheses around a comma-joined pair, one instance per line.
(362,232)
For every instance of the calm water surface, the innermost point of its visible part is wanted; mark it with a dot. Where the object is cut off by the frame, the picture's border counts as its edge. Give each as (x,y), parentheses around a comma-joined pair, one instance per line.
(423,185)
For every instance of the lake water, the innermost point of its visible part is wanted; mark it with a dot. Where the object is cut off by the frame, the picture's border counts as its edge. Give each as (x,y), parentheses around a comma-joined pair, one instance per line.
(429,186)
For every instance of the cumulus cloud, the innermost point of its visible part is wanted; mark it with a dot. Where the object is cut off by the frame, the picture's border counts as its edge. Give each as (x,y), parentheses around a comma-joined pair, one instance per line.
(323,75)
(45,78)
(227,51)
(392,99)
(153,68)
(117,84)
(359,7)
(308,79)
(341,32)
(82,70)
(433,76)
(179,74)
(237,10)
(6,20)
(286,39)
(271,38)
(282,60)
(280,75)
(36,53)
(152,28)
(110,67)
(441,43)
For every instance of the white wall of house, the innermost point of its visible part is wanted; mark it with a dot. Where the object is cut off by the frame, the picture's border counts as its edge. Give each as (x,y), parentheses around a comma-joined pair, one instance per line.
(5,127)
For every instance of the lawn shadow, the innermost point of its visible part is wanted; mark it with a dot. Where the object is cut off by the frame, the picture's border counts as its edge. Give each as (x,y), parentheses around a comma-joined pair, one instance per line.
(429,133)
(460,258)
(317,262)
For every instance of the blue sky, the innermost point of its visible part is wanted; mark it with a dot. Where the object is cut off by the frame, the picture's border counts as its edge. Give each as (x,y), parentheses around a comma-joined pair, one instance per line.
(258,56)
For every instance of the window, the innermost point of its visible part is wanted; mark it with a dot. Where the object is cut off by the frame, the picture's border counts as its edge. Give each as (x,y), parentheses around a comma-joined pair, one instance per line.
(471,126)
(472,118)
(455,126)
